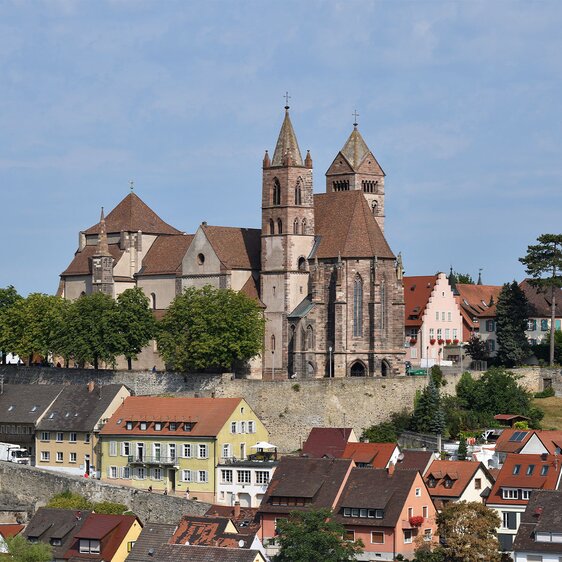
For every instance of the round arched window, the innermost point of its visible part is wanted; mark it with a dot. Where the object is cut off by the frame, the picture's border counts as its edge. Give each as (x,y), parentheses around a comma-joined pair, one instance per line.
(200,259)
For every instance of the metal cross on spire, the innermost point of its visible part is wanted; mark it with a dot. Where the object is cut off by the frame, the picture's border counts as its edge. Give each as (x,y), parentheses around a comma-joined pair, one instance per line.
(287,98)
(355,115)
(132,185)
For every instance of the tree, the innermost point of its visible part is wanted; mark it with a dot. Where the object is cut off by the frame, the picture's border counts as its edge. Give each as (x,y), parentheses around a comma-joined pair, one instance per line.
(462,451)
(428,416)
(512,313)
(468,530)
(389,431)
(22,550)
(476,348)
(464,278)
(210,327)
(545,258)
(135,322)
(310,536)
(8,298)
(72,500)
(542,350)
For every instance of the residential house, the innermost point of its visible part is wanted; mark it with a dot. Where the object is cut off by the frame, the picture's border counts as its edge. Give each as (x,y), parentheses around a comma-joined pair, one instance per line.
(175,444)
(67,435)
(152,536)
(22,406)
(76,535)
(547,441)
(455,481)
(510,441)
(245,518)
(300,484)
(519,476)
(540,304)
(189,553)
(387,509)
(433,320)
(539,538)
(7,531)
(418,460)
(328,442)
(374,455)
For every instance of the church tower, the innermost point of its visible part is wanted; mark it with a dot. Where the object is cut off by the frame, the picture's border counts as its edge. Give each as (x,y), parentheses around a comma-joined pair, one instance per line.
(356,168)
(286,242)
(102,263)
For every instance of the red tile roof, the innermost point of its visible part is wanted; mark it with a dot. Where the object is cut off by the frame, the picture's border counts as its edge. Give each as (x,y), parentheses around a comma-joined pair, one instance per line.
(207,414)
(326,441)
(246,521)
(474,300)
(459,472)
(208,531)
(131,215)
(8,530)
(540,301)
(81,262)
(346,227)
(522,480)
(508,442)
(165,255)
(417,290)
(377,455)
(236,248)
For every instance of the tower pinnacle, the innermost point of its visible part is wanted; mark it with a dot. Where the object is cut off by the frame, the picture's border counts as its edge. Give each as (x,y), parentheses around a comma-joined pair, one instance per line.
(287,152)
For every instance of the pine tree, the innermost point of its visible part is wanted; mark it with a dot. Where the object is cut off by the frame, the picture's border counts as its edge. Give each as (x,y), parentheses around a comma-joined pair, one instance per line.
(428,414)
(462,451)
(512,312)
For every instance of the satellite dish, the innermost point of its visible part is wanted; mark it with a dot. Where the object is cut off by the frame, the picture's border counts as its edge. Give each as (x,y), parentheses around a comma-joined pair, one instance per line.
(400,457)
(241,543)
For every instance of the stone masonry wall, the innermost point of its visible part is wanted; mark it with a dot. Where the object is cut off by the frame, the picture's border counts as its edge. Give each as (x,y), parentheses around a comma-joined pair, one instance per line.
(35,486)
(288,408)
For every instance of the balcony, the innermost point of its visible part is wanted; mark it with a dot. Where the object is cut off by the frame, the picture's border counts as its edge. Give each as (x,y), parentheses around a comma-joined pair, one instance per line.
(153,460)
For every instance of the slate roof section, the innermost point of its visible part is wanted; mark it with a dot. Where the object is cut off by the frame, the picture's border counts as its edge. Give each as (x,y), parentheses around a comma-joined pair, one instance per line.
(152,536)
(165,255)
(460,472)
(543,514)
(48,523)
(184,553)
(26,403)
(236,248)
(375,489)
(417,290)
(418,460)
(303,308)
(540,302)
(347,227)
(317,481)
(327,441)
(131,215)
(355,150)
(287,143)
(207,414)
(81,263)
(377,455)
(77,408)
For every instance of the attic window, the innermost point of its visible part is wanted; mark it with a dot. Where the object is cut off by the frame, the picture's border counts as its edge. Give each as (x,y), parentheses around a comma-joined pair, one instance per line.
(51,415)
(67,415)
(34,408)
(173,426)
(143,426)
(158,426)
(200,259)
(10,408)
(530,469)
(448,483)
(129,425)
(431,483)
(119,421)
(188,426)
(544,470)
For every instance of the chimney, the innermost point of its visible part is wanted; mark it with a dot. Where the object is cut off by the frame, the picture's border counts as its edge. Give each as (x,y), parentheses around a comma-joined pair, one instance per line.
(390,469)
(91,385)
(236,510)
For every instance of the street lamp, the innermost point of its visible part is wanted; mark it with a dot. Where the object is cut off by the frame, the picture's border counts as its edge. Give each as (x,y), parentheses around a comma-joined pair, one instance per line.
(427,361)
(330,364)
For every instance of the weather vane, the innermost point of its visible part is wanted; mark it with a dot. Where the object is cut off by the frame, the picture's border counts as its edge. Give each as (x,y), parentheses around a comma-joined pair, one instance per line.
(287,98)
(132,185)
(355,115)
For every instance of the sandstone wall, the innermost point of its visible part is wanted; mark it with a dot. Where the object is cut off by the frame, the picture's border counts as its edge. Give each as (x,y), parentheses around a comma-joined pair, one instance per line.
(35,486)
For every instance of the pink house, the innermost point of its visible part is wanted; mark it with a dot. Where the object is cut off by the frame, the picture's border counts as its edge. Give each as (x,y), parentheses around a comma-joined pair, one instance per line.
(433,320)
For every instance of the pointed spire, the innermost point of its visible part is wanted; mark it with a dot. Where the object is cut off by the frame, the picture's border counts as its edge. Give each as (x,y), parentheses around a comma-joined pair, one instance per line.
(102,248)
(287,148)
(355,148)
(266,160)
(308,160)
(479,277)
(453,281)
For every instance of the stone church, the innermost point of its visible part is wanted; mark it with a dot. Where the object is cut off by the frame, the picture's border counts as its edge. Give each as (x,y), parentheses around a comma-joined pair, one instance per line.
(329,284)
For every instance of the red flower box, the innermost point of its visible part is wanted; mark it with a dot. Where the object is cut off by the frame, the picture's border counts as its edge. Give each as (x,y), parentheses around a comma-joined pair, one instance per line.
(432,341)
(456,342)
(413,341)
(416,521)
(448,342)
(440,342)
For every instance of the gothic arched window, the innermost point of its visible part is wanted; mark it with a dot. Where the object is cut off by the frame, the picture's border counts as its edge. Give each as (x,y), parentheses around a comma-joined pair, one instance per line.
(276,192)
(272,343)
(153,300)
(271,226)
(357,307)
(383,304)
(309,337)
(374,206)
(303,226)
(298,193)
(279,226)
(296,226)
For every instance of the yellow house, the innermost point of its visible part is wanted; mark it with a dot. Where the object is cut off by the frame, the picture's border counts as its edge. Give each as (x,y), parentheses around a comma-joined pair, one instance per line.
(66,437)
(173,445)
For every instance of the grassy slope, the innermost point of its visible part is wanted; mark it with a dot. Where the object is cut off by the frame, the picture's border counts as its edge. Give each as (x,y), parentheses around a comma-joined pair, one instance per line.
(552,408)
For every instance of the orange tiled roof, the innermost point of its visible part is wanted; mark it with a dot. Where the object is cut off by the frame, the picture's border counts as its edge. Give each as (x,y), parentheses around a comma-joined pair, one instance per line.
(476,299)
(207,414)
(165,255)
(10,530)
(236,248)
(376,454)
(208,531)
(508,442)
(460,472)
(417,290)
(81,262)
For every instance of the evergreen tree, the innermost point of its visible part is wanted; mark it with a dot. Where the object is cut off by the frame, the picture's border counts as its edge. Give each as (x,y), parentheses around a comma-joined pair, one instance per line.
(476,348)
(8,298)
(462,451)
(428,414)
(512,313)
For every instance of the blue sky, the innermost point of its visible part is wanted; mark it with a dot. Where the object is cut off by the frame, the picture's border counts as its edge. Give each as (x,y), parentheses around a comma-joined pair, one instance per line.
(459,101)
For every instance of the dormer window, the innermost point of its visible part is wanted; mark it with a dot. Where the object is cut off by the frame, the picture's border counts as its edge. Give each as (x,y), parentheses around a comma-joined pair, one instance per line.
(530,469)
(544,470)
(516,469)
(158,426)
(143,426)
(448,482)
(173,426)
(10,407)
(88,546)
(510,494)
(188,426)
(55,542)
(432,482)
(129,425)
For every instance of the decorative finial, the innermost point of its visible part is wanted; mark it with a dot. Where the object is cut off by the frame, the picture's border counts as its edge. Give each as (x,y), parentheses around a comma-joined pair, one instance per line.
(287,98)
(355,115)
(132,185)
(479,282)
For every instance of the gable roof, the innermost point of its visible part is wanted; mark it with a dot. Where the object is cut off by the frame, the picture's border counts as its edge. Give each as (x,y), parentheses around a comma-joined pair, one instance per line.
(236,248)
(185,553)
(26,403)
(355,150)
(346,227)
(460,472)
(209,531)
(327,441)
(287,144)
(375,489)
(81,263)
(540,302)
(79,407)
(513,440)
(131,215)
(543,514)
(417,290)
(474,300)
(165,255)
(8,530)
(246,521)
(418,460)
(152,536)
(207,414)
(318,481)
(551,439)
(522,480)
(377,455)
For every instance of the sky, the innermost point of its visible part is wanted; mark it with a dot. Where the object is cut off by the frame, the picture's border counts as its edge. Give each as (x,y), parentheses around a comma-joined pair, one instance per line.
(461,103)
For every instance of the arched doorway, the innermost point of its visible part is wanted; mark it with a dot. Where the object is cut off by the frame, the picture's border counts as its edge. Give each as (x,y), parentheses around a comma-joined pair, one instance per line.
(357,369)
(310,370)
(385,368)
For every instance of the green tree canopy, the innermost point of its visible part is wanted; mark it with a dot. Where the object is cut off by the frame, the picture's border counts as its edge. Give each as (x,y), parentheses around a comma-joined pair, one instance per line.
(389,431)
(468,530)
(428,416)
(512,313)
(464,278)
(72,500)
(476,348)
(135,322)
(310,536)
(8,298)
(210,328)
(22,550)
(543,263)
